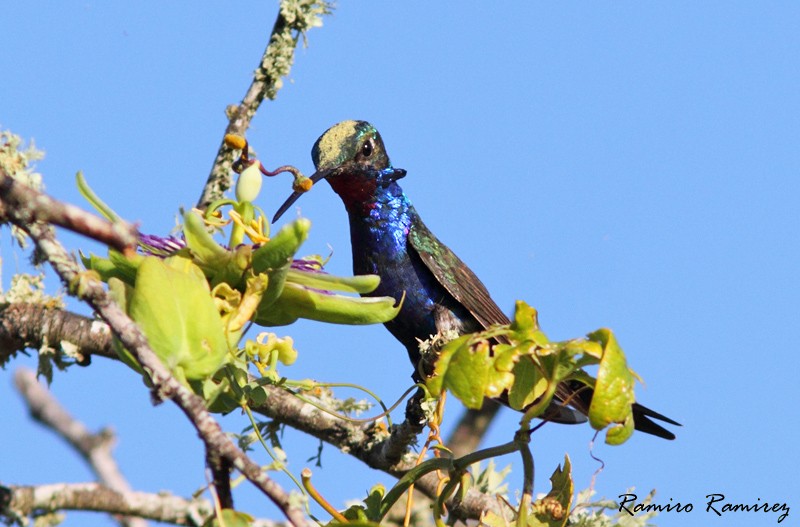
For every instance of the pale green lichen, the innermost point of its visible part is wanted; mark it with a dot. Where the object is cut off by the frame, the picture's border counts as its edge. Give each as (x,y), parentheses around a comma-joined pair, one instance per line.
(29,289)
(17,160)
(429,407)
(71,350)
(297,499)
(435,342)
(50,519)
(299,17)
(324,397)
(48,356)
(302,15)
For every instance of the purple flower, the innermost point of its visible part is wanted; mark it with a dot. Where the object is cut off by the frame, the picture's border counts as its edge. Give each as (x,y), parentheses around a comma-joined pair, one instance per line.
(308,264)
(153,245)
(162,247)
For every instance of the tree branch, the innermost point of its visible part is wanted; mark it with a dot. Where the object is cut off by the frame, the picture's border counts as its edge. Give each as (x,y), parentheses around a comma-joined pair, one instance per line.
(33,325)
(405,434)
(473,425)
(94,448)
(220,469)
(22,501)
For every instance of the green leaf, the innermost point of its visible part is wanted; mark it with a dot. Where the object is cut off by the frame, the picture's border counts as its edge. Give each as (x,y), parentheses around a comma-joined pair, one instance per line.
(373,502)
(203,246)
(172,305)
(275,258)
(557,365)
(94,200)
(126,266)
(115,266)
(613,391)
(526,318)
(355,514)
(494,520)
(435,382)
(328,282)
(281,248)
(465,370)
(529,384)
(523,361)
(297,301)
(120,293)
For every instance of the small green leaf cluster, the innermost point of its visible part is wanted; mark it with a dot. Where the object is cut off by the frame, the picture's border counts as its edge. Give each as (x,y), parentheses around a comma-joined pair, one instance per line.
(551,510)
(520,362)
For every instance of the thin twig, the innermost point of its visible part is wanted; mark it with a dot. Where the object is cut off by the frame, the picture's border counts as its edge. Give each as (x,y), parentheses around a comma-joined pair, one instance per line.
(220,469)
(94,448)
(165,386)
(119,235)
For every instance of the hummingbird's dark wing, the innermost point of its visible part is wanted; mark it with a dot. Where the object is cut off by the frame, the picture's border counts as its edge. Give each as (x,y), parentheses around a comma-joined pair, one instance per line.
(469,291)
(455,276)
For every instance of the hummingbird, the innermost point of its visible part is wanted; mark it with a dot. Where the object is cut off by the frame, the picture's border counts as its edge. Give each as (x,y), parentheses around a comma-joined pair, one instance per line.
(389,239)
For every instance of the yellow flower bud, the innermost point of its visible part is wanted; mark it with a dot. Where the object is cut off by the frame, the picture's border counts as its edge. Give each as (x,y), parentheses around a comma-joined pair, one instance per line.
(237,142)
(302,184)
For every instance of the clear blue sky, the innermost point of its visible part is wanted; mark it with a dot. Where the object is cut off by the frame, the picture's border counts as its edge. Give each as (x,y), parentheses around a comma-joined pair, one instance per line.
(629,165)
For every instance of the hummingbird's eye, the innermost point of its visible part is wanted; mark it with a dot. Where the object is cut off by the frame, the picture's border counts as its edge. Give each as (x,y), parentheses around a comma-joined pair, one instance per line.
(366,149)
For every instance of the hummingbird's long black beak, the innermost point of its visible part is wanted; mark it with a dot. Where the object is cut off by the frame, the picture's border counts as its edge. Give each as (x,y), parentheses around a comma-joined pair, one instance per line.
(388,175)
(321,174)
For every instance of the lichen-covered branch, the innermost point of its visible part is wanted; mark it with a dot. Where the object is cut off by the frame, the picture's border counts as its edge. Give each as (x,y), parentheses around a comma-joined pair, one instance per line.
(294,19)
(24,325)
(405,434)
(95,448)
(22,501)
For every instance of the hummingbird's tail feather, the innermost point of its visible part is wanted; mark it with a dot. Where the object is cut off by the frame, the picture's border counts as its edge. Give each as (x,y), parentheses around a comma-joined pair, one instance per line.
(579,396)
(642,422)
